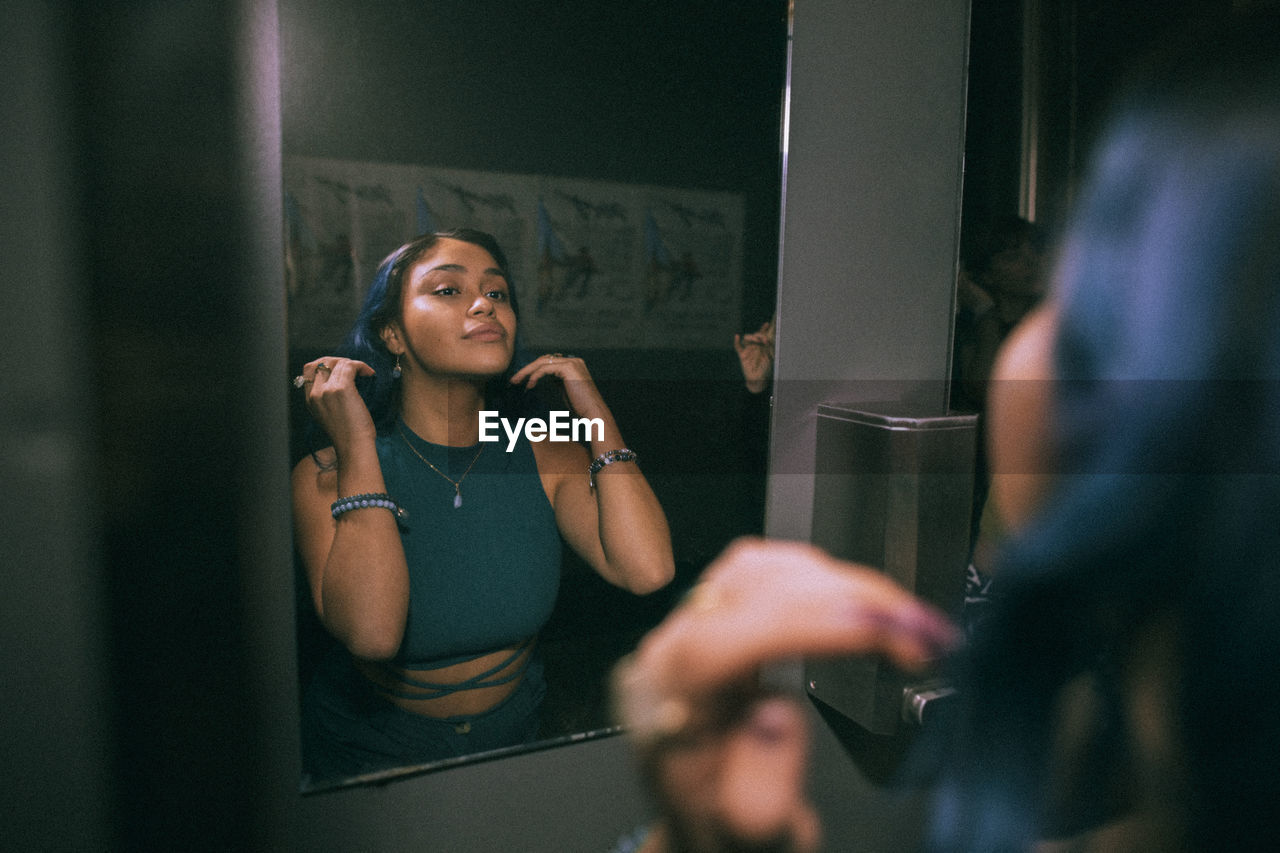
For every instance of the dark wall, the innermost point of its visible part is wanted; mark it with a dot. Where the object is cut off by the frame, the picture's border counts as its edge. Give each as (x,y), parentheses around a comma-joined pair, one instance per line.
(1086,50)
(144,431)
(1113,36)
(654,92)
(993,120)
(52,619)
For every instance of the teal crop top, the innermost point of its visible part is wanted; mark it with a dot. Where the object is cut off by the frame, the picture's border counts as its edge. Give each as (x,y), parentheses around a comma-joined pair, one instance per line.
(483,576)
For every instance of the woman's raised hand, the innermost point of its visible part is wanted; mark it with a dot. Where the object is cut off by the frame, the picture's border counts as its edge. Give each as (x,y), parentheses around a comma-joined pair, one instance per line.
(579,387)
(329,388)
(755,355)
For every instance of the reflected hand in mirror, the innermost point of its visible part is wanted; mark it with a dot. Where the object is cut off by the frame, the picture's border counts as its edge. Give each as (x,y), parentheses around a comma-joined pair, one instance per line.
(755,355)
(432,551)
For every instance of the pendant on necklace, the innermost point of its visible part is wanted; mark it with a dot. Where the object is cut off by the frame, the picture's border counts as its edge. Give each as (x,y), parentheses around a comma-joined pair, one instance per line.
(457,484)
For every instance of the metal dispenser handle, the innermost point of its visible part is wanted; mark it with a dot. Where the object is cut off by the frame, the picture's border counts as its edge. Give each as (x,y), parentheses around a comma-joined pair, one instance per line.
(921,702)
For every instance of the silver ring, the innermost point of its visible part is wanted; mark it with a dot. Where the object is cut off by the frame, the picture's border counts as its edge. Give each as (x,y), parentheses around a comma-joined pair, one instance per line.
(299,381)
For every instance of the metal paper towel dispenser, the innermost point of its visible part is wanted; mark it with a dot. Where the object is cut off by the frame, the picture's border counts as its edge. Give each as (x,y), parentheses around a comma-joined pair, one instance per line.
(894,490)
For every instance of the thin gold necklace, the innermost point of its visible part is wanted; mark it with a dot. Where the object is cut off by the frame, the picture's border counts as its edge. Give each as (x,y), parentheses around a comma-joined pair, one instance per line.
(457,484)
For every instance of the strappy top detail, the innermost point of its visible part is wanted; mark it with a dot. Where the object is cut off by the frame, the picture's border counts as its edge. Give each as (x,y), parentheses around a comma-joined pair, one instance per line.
(484,575)
(435,690)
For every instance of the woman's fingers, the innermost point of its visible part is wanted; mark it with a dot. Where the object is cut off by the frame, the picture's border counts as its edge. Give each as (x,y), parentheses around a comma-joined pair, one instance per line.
(579,388)
(333,377)
(323,369)
(566,367)
(340,374)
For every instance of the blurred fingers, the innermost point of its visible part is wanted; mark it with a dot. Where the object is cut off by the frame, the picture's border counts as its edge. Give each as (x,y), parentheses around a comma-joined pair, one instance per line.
(739,784)
(761,602)
(761,788)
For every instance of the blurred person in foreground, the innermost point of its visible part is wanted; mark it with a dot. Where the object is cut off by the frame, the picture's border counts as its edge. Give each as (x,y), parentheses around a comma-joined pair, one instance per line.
(1122,692)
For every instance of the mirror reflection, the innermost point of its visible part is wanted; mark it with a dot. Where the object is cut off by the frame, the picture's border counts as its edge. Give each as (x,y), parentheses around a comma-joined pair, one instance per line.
(626,161)
(436,596)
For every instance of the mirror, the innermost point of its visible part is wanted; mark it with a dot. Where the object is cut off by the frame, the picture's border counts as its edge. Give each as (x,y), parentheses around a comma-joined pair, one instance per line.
(659,124)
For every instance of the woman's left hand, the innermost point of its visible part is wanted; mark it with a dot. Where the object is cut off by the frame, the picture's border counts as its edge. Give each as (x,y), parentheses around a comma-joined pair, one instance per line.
(580,389)
(616,524)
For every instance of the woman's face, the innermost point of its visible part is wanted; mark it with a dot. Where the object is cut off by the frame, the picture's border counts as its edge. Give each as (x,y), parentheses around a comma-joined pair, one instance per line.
(455,313)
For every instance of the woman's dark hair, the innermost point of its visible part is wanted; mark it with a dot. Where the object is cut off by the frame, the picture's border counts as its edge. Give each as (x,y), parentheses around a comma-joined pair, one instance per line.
(382,305)
(1163,512)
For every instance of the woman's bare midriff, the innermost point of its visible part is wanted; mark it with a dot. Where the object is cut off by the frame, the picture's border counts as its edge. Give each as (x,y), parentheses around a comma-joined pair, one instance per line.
(473,701)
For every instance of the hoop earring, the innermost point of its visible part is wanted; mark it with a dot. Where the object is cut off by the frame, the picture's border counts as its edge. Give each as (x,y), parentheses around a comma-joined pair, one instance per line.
(395,371)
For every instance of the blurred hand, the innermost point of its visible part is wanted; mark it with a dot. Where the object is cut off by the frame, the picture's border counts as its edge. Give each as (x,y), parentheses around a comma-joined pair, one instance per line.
(727,762)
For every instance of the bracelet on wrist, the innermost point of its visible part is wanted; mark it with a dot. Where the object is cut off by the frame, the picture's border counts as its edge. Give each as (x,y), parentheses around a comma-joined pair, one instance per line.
(608,458)
(368,499)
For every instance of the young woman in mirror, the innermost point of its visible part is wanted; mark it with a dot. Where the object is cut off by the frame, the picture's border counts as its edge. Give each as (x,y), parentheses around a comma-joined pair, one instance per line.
(1121,692)
(433,557)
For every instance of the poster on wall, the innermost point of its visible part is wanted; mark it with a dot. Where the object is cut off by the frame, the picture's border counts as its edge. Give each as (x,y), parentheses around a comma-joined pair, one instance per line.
(692,268)
(595,264)
(586,265)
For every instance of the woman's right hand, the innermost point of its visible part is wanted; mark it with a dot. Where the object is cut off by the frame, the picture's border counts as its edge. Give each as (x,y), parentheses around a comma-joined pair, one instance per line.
(329,388)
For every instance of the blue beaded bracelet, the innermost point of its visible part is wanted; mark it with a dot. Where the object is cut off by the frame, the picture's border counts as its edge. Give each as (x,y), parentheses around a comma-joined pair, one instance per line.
(381,499)
(608,458)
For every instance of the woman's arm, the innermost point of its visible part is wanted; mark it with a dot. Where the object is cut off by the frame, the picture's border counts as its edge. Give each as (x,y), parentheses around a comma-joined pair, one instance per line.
(618,527)
(355,563)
